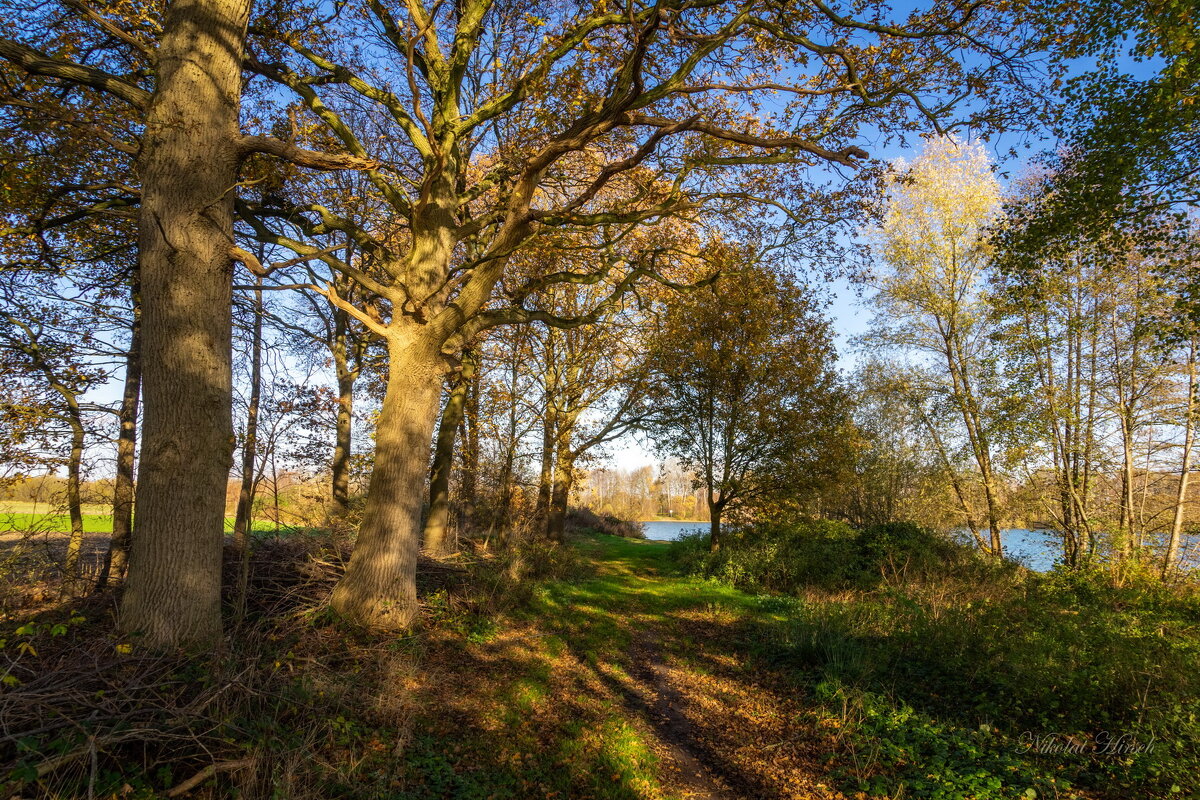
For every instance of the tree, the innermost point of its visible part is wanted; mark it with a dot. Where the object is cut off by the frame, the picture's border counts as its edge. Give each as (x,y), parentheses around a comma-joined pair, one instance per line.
(501,125)
(1051,337)
(1128,128)
(898,470)
(46,342)
(435,535)
(1188,421)
(188,156)
(745,390)
(117,558)
(929,300)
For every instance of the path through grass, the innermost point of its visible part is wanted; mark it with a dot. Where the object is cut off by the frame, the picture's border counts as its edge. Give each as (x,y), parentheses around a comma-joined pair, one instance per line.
(629,683)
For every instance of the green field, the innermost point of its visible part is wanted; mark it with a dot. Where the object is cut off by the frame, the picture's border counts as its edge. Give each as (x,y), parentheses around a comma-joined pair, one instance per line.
(97,518)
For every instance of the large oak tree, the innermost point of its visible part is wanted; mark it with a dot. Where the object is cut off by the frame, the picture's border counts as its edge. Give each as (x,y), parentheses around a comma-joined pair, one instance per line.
(493,123)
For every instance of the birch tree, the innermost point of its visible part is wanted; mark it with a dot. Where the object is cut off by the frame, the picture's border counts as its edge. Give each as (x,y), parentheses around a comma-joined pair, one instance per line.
(930,299)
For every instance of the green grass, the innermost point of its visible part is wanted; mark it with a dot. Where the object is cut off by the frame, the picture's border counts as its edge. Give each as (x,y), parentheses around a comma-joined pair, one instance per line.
(906,689)
(12,519)
(53,523)
(935,688)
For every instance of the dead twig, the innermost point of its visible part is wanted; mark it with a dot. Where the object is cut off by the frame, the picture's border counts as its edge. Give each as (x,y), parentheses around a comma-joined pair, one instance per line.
(208,772)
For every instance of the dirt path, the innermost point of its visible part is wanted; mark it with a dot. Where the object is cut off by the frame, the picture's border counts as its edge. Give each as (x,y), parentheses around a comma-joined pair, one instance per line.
(626,683)
(721,728)
(660,705)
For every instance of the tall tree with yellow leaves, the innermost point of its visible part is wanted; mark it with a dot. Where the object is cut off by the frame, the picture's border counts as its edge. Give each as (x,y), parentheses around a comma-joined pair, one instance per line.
(930,300)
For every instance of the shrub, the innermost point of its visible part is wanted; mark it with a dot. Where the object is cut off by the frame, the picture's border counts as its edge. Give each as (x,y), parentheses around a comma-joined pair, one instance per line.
(823,554)
(583,520)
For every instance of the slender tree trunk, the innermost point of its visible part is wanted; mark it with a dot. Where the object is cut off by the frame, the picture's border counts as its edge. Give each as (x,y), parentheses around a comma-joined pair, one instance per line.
(1171,557)
(379,588)
(74,566)
(189,169)
(435,538)
(470,454)
(113,571)
(546,474)
(344,426)
(243,519)
(1125,525)
(715,508)
(503,512)
(550,425)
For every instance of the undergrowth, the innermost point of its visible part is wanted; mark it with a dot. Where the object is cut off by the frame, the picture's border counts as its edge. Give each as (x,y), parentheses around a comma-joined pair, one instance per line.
(295,705)
(948,676)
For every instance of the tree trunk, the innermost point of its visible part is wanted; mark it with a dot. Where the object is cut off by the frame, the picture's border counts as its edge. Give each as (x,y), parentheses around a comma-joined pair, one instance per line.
(1171,557)
(564,473)
(74,567)
(994,541)
(113,571)
(560,495)
(379,588)
(502,514)
(243,519)
(189,169)
(435,538)
(714,524)
(470,455)
(344,427)
(546,474)
(1125,525)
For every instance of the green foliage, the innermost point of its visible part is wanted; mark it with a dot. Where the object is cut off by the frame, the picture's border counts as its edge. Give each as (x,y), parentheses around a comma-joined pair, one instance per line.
(953,677)
(914,755)
(786,557)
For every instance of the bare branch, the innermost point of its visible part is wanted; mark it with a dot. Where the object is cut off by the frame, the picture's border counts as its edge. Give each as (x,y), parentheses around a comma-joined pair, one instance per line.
(38,63)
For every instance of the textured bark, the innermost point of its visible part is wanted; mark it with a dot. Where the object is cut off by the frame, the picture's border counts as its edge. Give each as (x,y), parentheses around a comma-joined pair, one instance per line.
(714,525)
(546,474)
(74,501)
(115,560)
(503,512)
(564,474)
(564,471)
(550,424)
(436,536)
(379,589)
(470,456)
(188,167)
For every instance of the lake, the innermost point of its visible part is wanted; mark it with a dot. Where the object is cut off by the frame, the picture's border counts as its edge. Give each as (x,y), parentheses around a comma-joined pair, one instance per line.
(670,530)
(1038,550)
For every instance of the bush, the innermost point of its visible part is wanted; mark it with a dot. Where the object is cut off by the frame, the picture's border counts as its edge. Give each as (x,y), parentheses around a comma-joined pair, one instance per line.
(823,554)
(584,520)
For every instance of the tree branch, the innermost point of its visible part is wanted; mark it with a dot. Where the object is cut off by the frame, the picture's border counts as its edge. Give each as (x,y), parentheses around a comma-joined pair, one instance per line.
(303,157)
(38,63)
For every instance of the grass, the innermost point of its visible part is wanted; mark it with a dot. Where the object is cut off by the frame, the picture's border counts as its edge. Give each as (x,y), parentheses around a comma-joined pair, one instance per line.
(97,518)
(604,668)
(53,523)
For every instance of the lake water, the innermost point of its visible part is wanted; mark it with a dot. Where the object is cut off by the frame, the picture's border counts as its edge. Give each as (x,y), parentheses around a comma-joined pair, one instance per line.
(670,530)
(1038,550)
